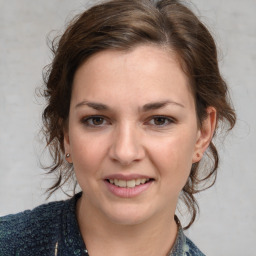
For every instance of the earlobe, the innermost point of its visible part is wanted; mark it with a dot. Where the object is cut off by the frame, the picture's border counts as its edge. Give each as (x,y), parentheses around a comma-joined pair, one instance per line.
(67,147)
(68,158)
(205,134)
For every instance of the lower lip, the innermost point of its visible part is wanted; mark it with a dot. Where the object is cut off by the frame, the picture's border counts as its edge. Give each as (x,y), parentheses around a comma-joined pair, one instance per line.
(127,192)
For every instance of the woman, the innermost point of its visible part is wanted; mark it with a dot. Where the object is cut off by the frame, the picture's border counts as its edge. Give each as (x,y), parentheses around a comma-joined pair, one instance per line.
(134,98)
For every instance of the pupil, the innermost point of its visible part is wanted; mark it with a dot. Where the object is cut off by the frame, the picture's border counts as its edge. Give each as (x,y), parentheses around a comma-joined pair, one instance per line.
(97,120)
(159,120)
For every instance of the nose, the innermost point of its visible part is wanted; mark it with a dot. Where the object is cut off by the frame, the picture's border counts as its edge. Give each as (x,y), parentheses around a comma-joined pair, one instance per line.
(127,145)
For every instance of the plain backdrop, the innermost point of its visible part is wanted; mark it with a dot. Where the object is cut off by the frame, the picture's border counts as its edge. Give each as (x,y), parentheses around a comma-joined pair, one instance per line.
(226,225)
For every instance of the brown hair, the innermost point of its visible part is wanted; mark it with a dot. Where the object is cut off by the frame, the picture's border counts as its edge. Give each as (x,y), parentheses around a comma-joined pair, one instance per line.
(122,25)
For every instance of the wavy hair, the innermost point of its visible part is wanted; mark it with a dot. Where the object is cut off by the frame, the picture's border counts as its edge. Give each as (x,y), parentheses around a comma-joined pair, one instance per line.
(123,25)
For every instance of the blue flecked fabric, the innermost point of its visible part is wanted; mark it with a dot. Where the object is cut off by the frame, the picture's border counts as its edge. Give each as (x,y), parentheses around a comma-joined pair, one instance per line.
(52,229)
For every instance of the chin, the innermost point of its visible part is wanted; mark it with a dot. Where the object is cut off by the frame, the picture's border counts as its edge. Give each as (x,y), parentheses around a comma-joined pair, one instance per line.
(127,220)
(128,216)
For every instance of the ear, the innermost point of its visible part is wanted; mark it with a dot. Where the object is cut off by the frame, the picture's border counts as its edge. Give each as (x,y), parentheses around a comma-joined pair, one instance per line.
(205,134)
(67,148)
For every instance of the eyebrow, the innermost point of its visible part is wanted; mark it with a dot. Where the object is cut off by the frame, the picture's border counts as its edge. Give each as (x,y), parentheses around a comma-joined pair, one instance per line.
(147,107)
(160,104)
(94,105)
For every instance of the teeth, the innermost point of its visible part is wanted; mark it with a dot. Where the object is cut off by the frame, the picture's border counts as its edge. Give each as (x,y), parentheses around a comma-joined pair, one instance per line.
(128,183)
(137,182)
(143,181)
(121,183)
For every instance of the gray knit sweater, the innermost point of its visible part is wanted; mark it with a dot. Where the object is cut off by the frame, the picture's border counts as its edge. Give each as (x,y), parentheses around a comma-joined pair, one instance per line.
(52,229)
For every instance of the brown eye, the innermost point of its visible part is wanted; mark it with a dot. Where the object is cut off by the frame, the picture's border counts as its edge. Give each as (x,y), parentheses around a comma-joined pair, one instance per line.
(161,121)
(94,121)
(97,120)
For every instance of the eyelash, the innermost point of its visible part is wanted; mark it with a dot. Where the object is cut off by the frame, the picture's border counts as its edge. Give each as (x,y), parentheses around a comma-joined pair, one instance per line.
(86,121)
(168,119)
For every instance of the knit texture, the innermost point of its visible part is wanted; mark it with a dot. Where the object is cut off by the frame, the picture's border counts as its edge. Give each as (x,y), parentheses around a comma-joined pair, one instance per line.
(52,229)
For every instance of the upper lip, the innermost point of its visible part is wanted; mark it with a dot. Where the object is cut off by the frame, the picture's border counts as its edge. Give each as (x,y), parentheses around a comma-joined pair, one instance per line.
(120,176)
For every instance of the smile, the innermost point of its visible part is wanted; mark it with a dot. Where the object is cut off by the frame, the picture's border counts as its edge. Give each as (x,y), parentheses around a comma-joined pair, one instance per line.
(128,187)
(128,183)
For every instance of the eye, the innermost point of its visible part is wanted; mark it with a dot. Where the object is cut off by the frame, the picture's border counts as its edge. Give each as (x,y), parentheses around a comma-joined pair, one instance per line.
(161,121)
(94,121)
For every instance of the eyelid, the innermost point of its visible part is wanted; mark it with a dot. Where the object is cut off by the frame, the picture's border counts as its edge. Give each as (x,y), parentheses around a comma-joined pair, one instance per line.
(85,119)
(171,120)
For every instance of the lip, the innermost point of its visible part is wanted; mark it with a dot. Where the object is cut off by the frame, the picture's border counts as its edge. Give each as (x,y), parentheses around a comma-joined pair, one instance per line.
(126,177)
(127,192)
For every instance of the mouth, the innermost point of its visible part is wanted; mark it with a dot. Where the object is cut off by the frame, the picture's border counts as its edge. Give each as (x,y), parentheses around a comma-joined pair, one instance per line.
(129,183)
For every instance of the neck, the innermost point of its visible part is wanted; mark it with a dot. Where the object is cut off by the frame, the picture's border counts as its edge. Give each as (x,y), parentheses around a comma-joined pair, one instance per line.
(155,236)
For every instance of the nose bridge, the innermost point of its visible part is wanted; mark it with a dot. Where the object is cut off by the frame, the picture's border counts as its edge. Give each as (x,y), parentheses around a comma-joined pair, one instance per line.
(126,146)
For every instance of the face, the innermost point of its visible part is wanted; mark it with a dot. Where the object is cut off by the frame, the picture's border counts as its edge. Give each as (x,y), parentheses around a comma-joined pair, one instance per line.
(132,133)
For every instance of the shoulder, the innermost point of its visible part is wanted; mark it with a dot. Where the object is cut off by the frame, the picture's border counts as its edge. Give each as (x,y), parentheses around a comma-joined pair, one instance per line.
(30,228)
(184,246)
(190,249)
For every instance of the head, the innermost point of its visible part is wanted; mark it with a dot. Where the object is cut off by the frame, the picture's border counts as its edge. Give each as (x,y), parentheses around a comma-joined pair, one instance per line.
(123,26)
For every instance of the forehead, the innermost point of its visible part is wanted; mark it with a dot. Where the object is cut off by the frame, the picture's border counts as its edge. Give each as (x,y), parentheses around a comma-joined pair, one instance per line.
(147,71)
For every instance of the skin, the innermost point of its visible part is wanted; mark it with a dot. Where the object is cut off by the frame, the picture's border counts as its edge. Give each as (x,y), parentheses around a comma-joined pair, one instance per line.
(128,140)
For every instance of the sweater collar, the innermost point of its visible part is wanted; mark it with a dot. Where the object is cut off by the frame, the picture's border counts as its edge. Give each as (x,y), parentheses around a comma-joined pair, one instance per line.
(72,238)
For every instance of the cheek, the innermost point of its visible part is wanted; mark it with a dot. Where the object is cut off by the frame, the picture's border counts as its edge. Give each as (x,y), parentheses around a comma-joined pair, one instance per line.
(173,156)
(87,153)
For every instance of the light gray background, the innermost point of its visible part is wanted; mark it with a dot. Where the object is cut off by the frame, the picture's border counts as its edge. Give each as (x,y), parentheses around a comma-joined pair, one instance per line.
(228,210)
